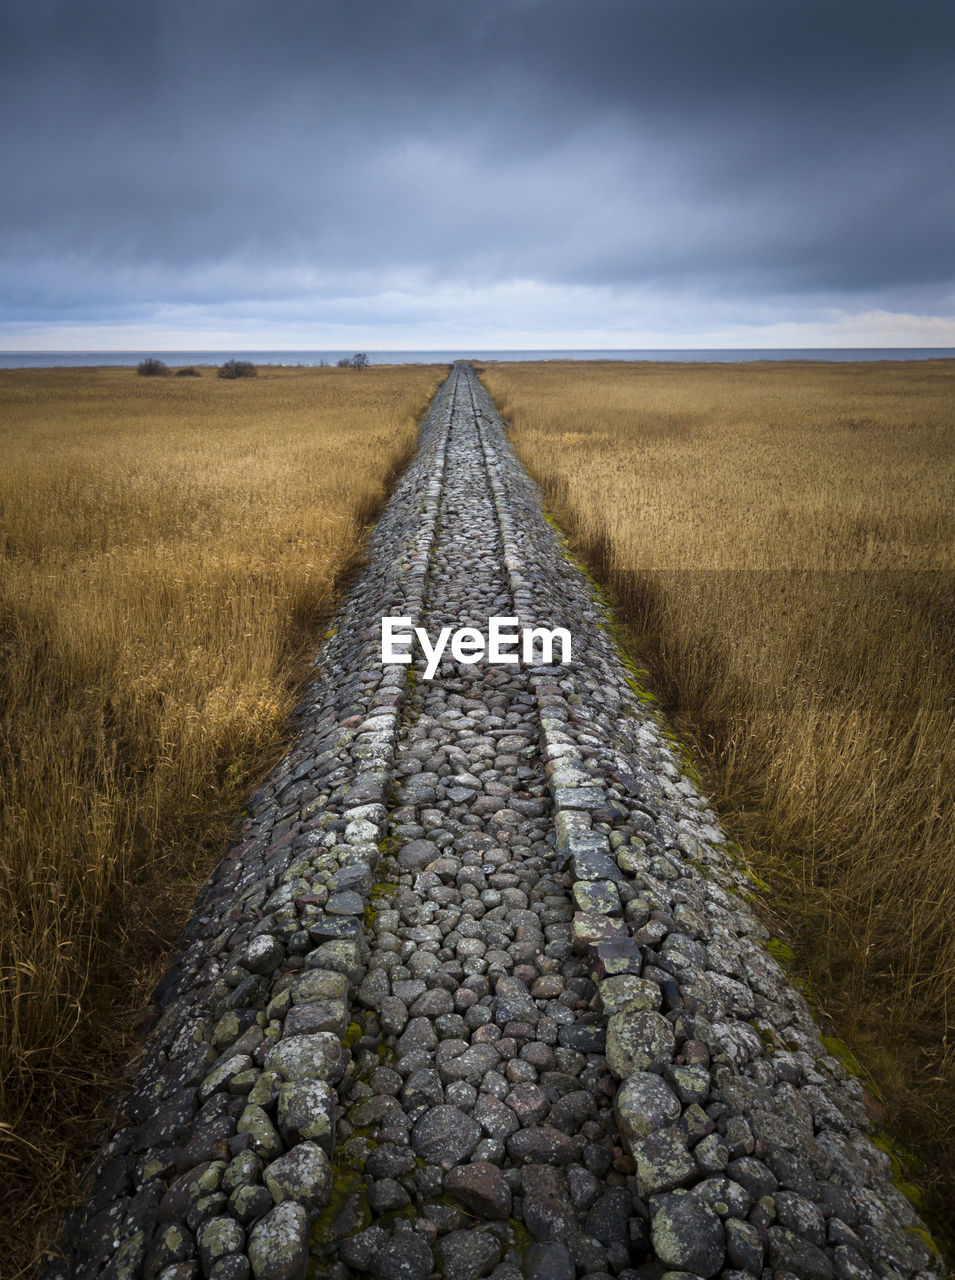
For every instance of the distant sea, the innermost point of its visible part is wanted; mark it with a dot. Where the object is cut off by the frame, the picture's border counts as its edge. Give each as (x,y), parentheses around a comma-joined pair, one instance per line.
(81,359)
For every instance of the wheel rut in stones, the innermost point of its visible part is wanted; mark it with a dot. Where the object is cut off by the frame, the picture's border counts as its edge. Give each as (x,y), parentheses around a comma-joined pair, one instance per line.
(477,991)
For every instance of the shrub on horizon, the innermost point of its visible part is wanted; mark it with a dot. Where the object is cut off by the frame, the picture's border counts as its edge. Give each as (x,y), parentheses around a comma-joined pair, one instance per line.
(152,368)
(237,369)
(188,372)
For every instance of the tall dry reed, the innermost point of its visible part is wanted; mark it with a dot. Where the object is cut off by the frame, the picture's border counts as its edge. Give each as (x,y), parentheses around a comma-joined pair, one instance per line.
(780,541)
(169,549)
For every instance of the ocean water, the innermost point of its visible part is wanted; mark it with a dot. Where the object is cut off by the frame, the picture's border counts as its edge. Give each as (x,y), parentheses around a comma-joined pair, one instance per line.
(81,359)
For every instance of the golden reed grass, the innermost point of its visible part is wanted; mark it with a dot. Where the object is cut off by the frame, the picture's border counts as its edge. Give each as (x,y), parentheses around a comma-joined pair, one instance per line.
(780,542)
(169,548)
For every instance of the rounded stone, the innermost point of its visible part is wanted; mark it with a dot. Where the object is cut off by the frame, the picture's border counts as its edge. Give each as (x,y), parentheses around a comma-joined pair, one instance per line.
(480,1187)
(278,1244)
(444,1136)
(305,1057)
(550,1261)
(468,1255)
(307,1110)
(687,1235)
(303,1175)
(644,1104)
(217,1238)
(264,954)
(405,1256)
(641,1041)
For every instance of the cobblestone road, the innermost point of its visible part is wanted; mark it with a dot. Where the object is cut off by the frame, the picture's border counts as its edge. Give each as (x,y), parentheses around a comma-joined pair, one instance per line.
(477,991)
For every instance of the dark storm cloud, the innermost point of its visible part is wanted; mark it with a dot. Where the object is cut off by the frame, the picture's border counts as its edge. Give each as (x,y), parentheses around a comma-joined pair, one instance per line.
(228,151)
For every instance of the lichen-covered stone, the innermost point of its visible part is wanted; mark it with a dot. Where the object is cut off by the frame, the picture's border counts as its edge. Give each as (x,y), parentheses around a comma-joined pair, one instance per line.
(264,1140)
(687,1234)
(302,1174)
(641,1041)
(644,1104)
(306,1110)
(217,1238)
(627,992)
(663,1162)
(305,1057)
(278,1244)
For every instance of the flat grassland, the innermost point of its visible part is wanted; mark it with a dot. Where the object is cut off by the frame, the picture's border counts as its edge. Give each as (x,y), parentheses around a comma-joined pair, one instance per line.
(779,540)
(168,550)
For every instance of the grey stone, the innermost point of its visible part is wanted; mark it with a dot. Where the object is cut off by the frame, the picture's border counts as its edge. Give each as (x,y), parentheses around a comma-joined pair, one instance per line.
(263,954)
(481,1188)
(358,1250)
(249,1202)
(687,1234)
(302,1174)
(307,1111)
(235,1266)
(628,992)
(374,989)
(393,1013)
(542,1144)
(444,1136)
(496,1119)
(548,1210)
(327,1015)
(744,1248)
(346,903)
(416,854)
(388,1160)
(608,1219)
(319,985)
(305,1057)
(468,1255)
(173,1243)
(788,1252)
(217,1238)
(644,1104)
(753,1175)
(800,1215)
(385,1195)
(550,1261)
(641,1041)
(263,1138)
(405,1256)
(278,1244)
(663,1162)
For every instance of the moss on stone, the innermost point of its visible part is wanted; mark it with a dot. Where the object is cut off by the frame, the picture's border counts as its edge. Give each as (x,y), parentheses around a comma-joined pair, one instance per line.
(838,1049)
(781,951)
(352,1033)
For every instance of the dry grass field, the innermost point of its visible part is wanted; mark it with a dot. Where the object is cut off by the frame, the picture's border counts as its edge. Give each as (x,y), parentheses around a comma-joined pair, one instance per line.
(780,542)
(169,548)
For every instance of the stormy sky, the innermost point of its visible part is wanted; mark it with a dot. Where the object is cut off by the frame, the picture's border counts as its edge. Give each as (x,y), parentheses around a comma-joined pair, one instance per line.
(503,173)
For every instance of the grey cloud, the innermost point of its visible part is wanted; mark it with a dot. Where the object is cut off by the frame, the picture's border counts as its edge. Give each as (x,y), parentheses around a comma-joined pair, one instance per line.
(236,148)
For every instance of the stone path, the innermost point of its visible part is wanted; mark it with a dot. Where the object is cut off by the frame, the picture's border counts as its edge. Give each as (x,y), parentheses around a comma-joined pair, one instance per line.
(477,991)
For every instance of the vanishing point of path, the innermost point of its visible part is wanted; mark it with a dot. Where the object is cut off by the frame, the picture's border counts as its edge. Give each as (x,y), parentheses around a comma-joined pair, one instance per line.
(477,991)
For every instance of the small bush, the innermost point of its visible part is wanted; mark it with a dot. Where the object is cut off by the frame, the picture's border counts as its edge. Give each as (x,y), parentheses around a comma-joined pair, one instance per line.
(190,371)
(345,362)
(152,368)
(237,369)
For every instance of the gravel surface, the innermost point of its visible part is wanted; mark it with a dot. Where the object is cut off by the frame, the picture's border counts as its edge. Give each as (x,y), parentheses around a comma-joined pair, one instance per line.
(477,991)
